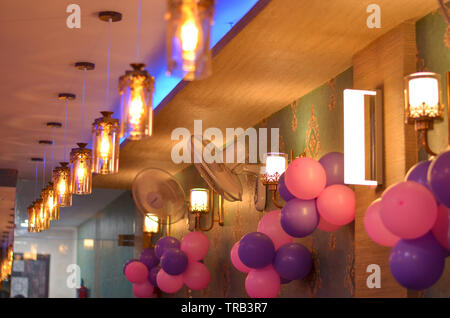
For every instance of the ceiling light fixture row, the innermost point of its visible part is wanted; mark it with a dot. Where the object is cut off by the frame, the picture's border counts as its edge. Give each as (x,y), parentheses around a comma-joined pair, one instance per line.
(189,56)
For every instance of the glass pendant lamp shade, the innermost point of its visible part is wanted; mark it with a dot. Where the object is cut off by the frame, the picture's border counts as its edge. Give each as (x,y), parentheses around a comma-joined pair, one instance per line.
(106,144)
(81,169)
(62,183)
(188,38)
(31,219)
(423,97)
(136,88)
(50,202)
(42,221)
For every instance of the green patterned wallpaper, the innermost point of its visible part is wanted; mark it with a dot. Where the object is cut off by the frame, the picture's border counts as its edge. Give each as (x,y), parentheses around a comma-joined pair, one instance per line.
(433,44)
(312,124)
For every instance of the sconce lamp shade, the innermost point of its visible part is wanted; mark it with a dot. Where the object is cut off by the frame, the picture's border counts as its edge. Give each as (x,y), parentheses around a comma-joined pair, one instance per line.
(62,183)
(106,144)
(199,200)
(423,97)
(136,88)
(275,166)
(188,38)
(81,169)
(151,223)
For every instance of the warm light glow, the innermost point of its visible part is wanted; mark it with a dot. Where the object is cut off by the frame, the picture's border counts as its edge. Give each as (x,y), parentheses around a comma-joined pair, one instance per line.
(105,147)
(354,137)
(81,168)
(189,37)
(275,165)
(423,96)
(199,200)
(151,223)
(61,180)
(136,110)
(88,244)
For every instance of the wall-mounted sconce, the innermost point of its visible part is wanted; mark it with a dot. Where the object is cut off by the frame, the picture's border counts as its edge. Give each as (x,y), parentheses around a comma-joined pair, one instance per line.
(151,224)
(201,203)
(88,244)
(423,103)
(363,137)
(275,166)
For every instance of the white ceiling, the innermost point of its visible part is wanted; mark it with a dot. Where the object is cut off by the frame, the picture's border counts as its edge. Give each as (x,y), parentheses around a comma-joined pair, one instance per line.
(37,55)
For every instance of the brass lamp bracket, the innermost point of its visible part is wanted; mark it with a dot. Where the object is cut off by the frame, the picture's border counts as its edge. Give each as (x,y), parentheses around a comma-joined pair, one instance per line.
(45,142)
(35,159)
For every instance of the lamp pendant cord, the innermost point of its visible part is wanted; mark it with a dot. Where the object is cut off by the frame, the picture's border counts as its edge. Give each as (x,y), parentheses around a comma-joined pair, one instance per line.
(109,62)
(43,169)
(53,149)
(82,100)
(138,41)
(65,130)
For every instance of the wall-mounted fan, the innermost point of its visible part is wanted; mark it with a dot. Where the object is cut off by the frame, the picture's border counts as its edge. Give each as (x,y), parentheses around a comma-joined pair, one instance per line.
(217,175)
(156,191)
(225,180)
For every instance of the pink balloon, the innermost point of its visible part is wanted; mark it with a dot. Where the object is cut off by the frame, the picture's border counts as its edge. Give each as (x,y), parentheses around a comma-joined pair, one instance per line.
(441,229)
(195,245)
(196,276)
(327,227)
(270,225)
(143,290)
(336,205)
(237,261)
(136,272)
(305,178)
(375,228)
(168,283)
(263,283)
(408,209)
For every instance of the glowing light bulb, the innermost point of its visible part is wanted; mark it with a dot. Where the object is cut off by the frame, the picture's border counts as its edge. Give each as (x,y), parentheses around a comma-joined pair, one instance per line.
(136,107)
(189,37)
(81,172)
(105,147)
(62,187)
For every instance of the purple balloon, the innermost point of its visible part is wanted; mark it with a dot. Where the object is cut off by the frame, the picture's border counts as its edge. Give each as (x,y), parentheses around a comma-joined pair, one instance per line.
(148,257)
(299,218)
(417,264)
(165,243)
(152,275)
(127,263)
(418,173)
(256,250)
(283,190)
(333,163)
(439,178)
(174,261)
(293,261)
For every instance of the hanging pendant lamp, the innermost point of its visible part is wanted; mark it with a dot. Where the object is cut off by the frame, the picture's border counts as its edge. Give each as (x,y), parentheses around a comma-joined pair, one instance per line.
(81,169)
(61,176)
(137,87)
(188,38)
(106,144)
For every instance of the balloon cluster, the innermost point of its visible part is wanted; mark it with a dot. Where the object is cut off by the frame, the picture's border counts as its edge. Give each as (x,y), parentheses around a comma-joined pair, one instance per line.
(316,198)
(413,217)
(170,265)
